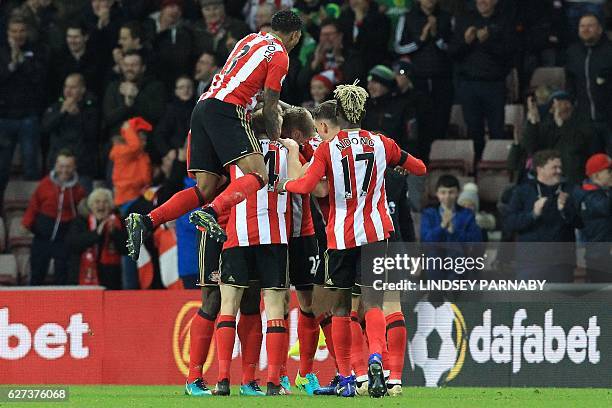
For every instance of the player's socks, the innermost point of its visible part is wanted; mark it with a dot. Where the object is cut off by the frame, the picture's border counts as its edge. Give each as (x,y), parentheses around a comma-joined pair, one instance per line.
(200,336)
(375,330)
(325,323)
(358,356)
(250,335)
(226,335)
(237,191)
(283,369)
(179,204)
(396,343)
(308,336)
(341,332)
(275,345)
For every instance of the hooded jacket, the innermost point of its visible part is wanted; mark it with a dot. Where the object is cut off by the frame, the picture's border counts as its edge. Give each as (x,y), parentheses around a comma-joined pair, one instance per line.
(595,208)
(53,206)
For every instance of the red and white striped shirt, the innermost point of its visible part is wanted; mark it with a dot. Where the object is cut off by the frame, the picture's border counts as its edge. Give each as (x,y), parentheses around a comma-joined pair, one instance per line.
(302,225)
(257,61)
(354,162)
(264,217)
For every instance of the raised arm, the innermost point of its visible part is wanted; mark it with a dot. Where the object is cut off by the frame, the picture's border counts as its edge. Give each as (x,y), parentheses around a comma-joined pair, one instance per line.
(272,116)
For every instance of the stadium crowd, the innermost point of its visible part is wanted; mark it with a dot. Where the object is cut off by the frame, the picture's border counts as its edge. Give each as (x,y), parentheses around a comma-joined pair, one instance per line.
(98,96)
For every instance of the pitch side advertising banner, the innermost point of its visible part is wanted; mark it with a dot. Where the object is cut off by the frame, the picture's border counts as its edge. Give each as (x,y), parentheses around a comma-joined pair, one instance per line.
(124,337)
(485,342)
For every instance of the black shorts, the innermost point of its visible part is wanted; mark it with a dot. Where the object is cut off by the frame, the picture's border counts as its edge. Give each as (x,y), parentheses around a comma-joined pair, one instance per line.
(209,254)
(303,261)
(220,135)
(267,264)
(343,267)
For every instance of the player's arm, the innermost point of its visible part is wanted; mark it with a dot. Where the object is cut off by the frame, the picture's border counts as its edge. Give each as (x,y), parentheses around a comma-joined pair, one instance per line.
(308,182)
(294,164)
(321,190)
(401,158)
(271,112)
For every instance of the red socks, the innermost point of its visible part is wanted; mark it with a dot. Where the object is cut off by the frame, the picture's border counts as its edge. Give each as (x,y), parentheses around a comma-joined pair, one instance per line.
(308,336)
(226,335)
(179,204)
(375,330)
(358,360)
(250,335)
(237,191)
(276,341)
(200,336)
(341,332)
(325,323)
(283,369)
(396,341)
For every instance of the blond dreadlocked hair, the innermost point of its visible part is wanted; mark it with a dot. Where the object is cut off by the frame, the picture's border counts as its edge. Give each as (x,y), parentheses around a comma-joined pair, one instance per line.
(351,101)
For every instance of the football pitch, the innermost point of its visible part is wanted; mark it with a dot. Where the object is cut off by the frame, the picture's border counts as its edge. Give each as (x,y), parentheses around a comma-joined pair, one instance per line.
(172,396)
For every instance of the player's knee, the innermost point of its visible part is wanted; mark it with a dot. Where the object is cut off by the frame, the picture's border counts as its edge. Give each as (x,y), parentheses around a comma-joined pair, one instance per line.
(211,300)
(207,190)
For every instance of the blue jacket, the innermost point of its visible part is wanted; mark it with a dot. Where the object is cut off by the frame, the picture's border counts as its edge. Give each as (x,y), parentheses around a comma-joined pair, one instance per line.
(465,228)
(595,208)
(186,237)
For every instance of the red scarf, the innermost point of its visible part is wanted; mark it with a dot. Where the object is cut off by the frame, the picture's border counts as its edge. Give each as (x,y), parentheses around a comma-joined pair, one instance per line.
(107,255)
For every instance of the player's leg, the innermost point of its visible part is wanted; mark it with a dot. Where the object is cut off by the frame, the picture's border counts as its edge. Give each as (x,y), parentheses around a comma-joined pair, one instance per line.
(284,378)
(375,332)
(234,279)
(271,263)
(358,360)
(396,341)
(251,336)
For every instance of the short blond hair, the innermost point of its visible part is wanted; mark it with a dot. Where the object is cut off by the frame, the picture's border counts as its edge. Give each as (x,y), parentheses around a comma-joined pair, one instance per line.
(99,192)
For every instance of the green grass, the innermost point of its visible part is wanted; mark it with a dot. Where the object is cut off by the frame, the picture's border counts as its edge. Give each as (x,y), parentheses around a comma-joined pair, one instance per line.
(171,396)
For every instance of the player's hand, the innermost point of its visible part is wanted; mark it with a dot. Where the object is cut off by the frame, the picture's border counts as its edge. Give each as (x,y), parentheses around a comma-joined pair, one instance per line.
(280,185)
(562,200)
(290,144)
(401,170)
(538,206)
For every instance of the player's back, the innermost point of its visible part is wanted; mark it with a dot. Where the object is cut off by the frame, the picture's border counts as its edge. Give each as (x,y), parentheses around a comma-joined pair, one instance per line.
(264,217)
(258,60)
(359,213)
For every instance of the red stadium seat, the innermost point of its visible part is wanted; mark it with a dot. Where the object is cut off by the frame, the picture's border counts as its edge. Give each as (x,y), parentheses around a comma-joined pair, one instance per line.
(457,126)
(514,116)
(17,195)
(8,270)
(18,235)
(22,256)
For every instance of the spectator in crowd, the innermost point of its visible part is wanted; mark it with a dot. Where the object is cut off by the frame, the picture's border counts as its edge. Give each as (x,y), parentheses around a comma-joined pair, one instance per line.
(542,210)
(96,241)
(132,38)
(329,53)
(136,94)
(172,43)
(576,9)
(205,69)
(321,87)
(445,225)
(423,34)
(563,131)
(399,206)
(72,123)
(259,12)
(52,207)
(594,201)
(213,30)
(75,56)
(41,17)
(103,19)
(589,75)
(22,88)
(483,48)
(469,199)
(366,34)
(131,164)
(171,132)
(384,112)
(186,242)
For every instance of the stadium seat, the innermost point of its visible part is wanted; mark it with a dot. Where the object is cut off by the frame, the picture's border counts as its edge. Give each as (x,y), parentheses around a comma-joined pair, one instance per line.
(452,154)
(553,77)
(18,235)
(457,126)
(8,270)
(514,115)
(512,86)
(17,164)
(493,176)
(17,194)
(22,256)
(2,235)
(495,154)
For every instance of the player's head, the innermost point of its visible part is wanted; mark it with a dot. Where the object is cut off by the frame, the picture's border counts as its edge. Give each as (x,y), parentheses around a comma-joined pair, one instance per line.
(447,190)
(298,124)
(287,24)
(350,108)
(258,124)
(324,116)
